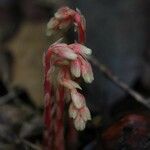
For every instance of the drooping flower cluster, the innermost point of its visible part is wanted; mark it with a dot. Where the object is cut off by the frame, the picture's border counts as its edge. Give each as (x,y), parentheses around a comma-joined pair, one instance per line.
(68,62)
(63,19)
(64,65)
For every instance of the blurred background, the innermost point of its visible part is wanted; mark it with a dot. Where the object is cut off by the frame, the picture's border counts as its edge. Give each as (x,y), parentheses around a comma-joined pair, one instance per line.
(118,32)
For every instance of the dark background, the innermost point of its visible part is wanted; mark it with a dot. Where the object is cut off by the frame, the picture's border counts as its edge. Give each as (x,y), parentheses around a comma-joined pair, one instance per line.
(118,32)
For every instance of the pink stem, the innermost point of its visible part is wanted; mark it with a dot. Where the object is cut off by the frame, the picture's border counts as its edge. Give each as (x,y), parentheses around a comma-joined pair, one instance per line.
(54,107)
(59,122)
(48,137)
(81,30)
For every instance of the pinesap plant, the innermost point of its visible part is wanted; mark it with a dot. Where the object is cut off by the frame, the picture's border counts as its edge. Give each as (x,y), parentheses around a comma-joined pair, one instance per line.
(64,65)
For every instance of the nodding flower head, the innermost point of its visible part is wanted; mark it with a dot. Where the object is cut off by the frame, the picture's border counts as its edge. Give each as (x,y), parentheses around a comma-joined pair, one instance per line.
(64,13)
(63,19)
(80,116)
(69,62)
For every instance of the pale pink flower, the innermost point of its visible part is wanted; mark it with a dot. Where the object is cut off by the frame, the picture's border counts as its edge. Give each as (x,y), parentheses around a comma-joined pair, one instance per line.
(81,49)
(87,72)
(67,63)
(70,84)
(80,116)
(76,68)
(81,64)
(63,19)
(64,52)
(79,123)
(78,99)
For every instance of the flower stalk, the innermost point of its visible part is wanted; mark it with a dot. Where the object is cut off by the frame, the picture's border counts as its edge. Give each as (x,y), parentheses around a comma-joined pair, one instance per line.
(63,65)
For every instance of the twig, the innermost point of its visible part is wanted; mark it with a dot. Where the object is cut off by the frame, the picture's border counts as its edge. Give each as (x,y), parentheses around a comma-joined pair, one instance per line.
(106,71)
(31,145)
(20,140)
